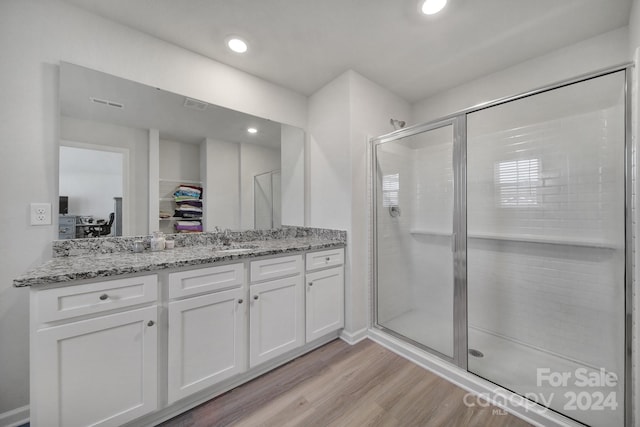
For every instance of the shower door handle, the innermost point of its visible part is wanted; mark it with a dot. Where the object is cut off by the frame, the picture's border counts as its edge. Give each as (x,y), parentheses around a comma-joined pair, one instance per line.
(453,242)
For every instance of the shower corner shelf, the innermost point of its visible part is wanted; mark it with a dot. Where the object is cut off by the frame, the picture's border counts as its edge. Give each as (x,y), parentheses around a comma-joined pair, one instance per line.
(426,232)
(523,238)
(549,240)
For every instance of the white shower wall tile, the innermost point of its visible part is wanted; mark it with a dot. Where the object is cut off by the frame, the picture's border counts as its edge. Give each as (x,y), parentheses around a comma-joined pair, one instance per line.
(566,192)
(412,267)
(558,297)
(393,252)
(432,262)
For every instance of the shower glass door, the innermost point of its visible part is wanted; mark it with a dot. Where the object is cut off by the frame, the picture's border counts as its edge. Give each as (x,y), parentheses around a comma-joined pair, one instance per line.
(415,204)
(546,248)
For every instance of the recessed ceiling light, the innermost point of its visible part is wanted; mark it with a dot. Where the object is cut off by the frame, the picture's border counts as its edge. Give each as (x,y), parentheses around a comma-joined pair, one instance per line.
(237,45)
(431,7)
(252,130)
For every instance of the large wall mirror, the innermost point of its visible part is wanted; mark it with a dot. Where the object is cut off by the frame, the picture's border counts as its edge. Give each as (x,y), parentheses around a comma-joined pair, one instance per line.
(135,159)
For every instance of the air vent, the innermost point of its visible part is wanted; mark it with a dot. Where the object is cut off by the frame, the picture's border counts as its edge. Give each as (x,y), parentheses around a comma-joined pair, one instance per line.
(194,104)
(107,102)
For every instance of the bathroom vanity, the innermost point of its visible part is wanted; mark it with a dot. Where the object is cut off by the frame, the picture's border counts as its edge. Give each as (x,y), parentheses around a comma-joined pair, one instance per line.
(121,338)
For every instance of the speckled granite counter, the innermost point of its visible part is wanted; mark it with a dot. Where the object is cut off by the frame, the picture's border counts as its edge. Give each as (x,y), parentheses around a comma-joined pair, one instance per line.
(99,262)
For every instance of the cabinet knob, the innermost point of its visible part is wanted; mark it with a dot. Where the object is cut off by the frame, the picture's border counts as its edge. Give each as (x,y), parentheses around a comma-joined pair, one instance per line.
(255,297)
(327,259)
(310,283)
(104,297)
(240,301)
(151,323)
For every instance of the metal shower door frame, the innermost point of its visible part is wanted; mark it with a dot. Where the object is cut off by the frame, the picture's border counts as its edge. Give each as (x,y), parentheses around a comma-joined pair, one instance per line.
(458,242)
(458,119)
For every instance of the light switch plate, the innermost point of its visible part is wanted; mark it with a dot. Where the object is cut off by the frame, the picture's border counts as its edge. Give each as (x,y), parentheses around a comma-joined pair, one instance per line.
(40,213)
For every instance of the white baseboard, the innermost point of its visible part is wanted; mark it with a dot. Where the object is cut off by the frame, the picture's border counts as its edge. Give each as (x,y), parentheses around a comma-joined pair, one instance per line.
(15,417)
(353,337)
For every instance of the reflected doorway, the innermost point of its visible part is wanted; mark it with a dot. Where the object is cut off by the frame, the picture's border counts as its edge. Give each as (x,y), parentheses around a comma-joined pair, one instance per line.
(92,181)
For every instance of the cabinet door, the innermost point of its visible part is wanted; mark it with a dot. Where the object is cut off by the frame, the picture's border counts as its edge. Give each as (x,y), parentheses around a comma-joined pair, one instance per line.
(207,336)
(324,302)
(98,372)
(276,318)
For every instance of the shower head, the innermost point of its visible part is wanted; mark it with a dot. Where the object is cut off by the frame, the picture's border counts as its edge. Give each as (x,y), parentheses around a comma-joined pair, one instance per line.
(397,124)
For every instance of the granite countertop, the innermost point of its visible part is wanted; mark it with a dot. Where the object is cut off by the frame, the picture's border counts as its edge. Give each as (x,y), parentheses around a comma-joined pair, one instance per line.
(71,268)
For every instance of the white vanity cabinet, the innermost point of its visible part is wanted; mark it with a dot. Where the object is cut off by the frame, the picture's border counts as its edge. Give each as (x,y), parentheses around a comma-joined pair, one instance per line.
(324,292)
(94,353)
(207,332)
(138,349)
(276,315)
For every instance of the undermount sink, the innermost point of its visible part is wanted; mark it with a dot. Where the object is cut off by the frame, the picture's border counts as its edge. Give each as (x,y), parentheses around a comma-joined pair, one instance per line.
(234,248)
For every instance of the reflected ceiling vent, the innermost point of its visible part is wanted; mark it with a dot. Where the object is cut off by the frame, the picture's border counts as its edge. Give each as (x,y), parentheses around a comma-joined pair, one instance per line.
(106,102)
(194,104)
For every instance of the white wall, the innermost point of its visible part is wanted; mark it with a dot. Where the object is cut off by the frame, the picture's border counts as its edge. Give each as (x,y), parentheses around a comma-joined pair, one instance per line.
(329,154)
(220,164)
(292,167)
(35,35)
(254,160)
(634,28)
(136,142)
(228,171)
(589,55)
(342,115)
(179,161)
(91,179)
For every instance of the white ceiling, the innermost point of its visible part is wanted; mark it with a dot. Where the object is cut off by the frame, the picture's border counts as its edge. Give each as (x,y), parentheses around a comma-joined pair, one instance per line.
(304,44)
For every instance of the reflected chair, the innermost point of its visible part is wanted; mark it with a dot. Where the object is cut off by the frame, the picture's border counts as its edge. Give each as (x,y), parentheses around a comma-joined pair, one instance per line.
(103,229)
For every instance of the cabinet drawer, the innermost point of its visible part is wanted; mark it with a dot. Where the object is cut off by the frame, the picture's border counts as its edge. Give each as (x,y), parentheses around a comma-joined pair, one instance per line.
(207,279)
(67,221)
(71,301)
(322,259)
(274,268)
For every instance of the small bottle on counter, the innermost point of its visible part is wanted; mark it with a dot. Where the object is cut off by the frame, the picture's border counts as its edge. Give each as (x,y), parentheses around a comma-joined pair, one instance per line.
(157,241)
(138,246)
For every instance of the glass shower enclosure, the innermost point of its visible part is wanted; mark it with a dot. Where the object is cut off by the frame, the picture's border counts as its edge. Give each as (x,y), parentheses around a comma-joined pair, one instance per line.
(267,200)
(501,240)
(418,238)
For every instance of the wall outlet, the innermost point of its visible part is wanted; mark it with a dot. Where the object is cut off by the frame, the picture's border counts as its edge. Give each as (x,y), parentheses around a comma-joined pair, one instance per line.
(40,213)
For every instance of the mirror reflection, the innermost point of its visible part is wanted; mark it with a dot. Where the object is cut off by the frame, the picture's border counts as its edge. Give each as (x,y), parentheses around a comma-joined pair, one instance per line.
(136,159)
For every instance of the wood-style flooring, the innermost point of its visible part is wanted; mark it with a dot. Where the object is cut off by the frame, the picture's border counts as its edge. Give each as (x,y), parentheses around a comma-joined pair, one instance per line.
(343,385)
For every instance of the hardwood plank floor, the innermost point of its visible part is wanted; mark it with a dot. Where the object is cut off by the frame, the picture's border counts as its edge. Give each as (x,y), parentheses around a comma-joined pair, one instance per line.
(343,385)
